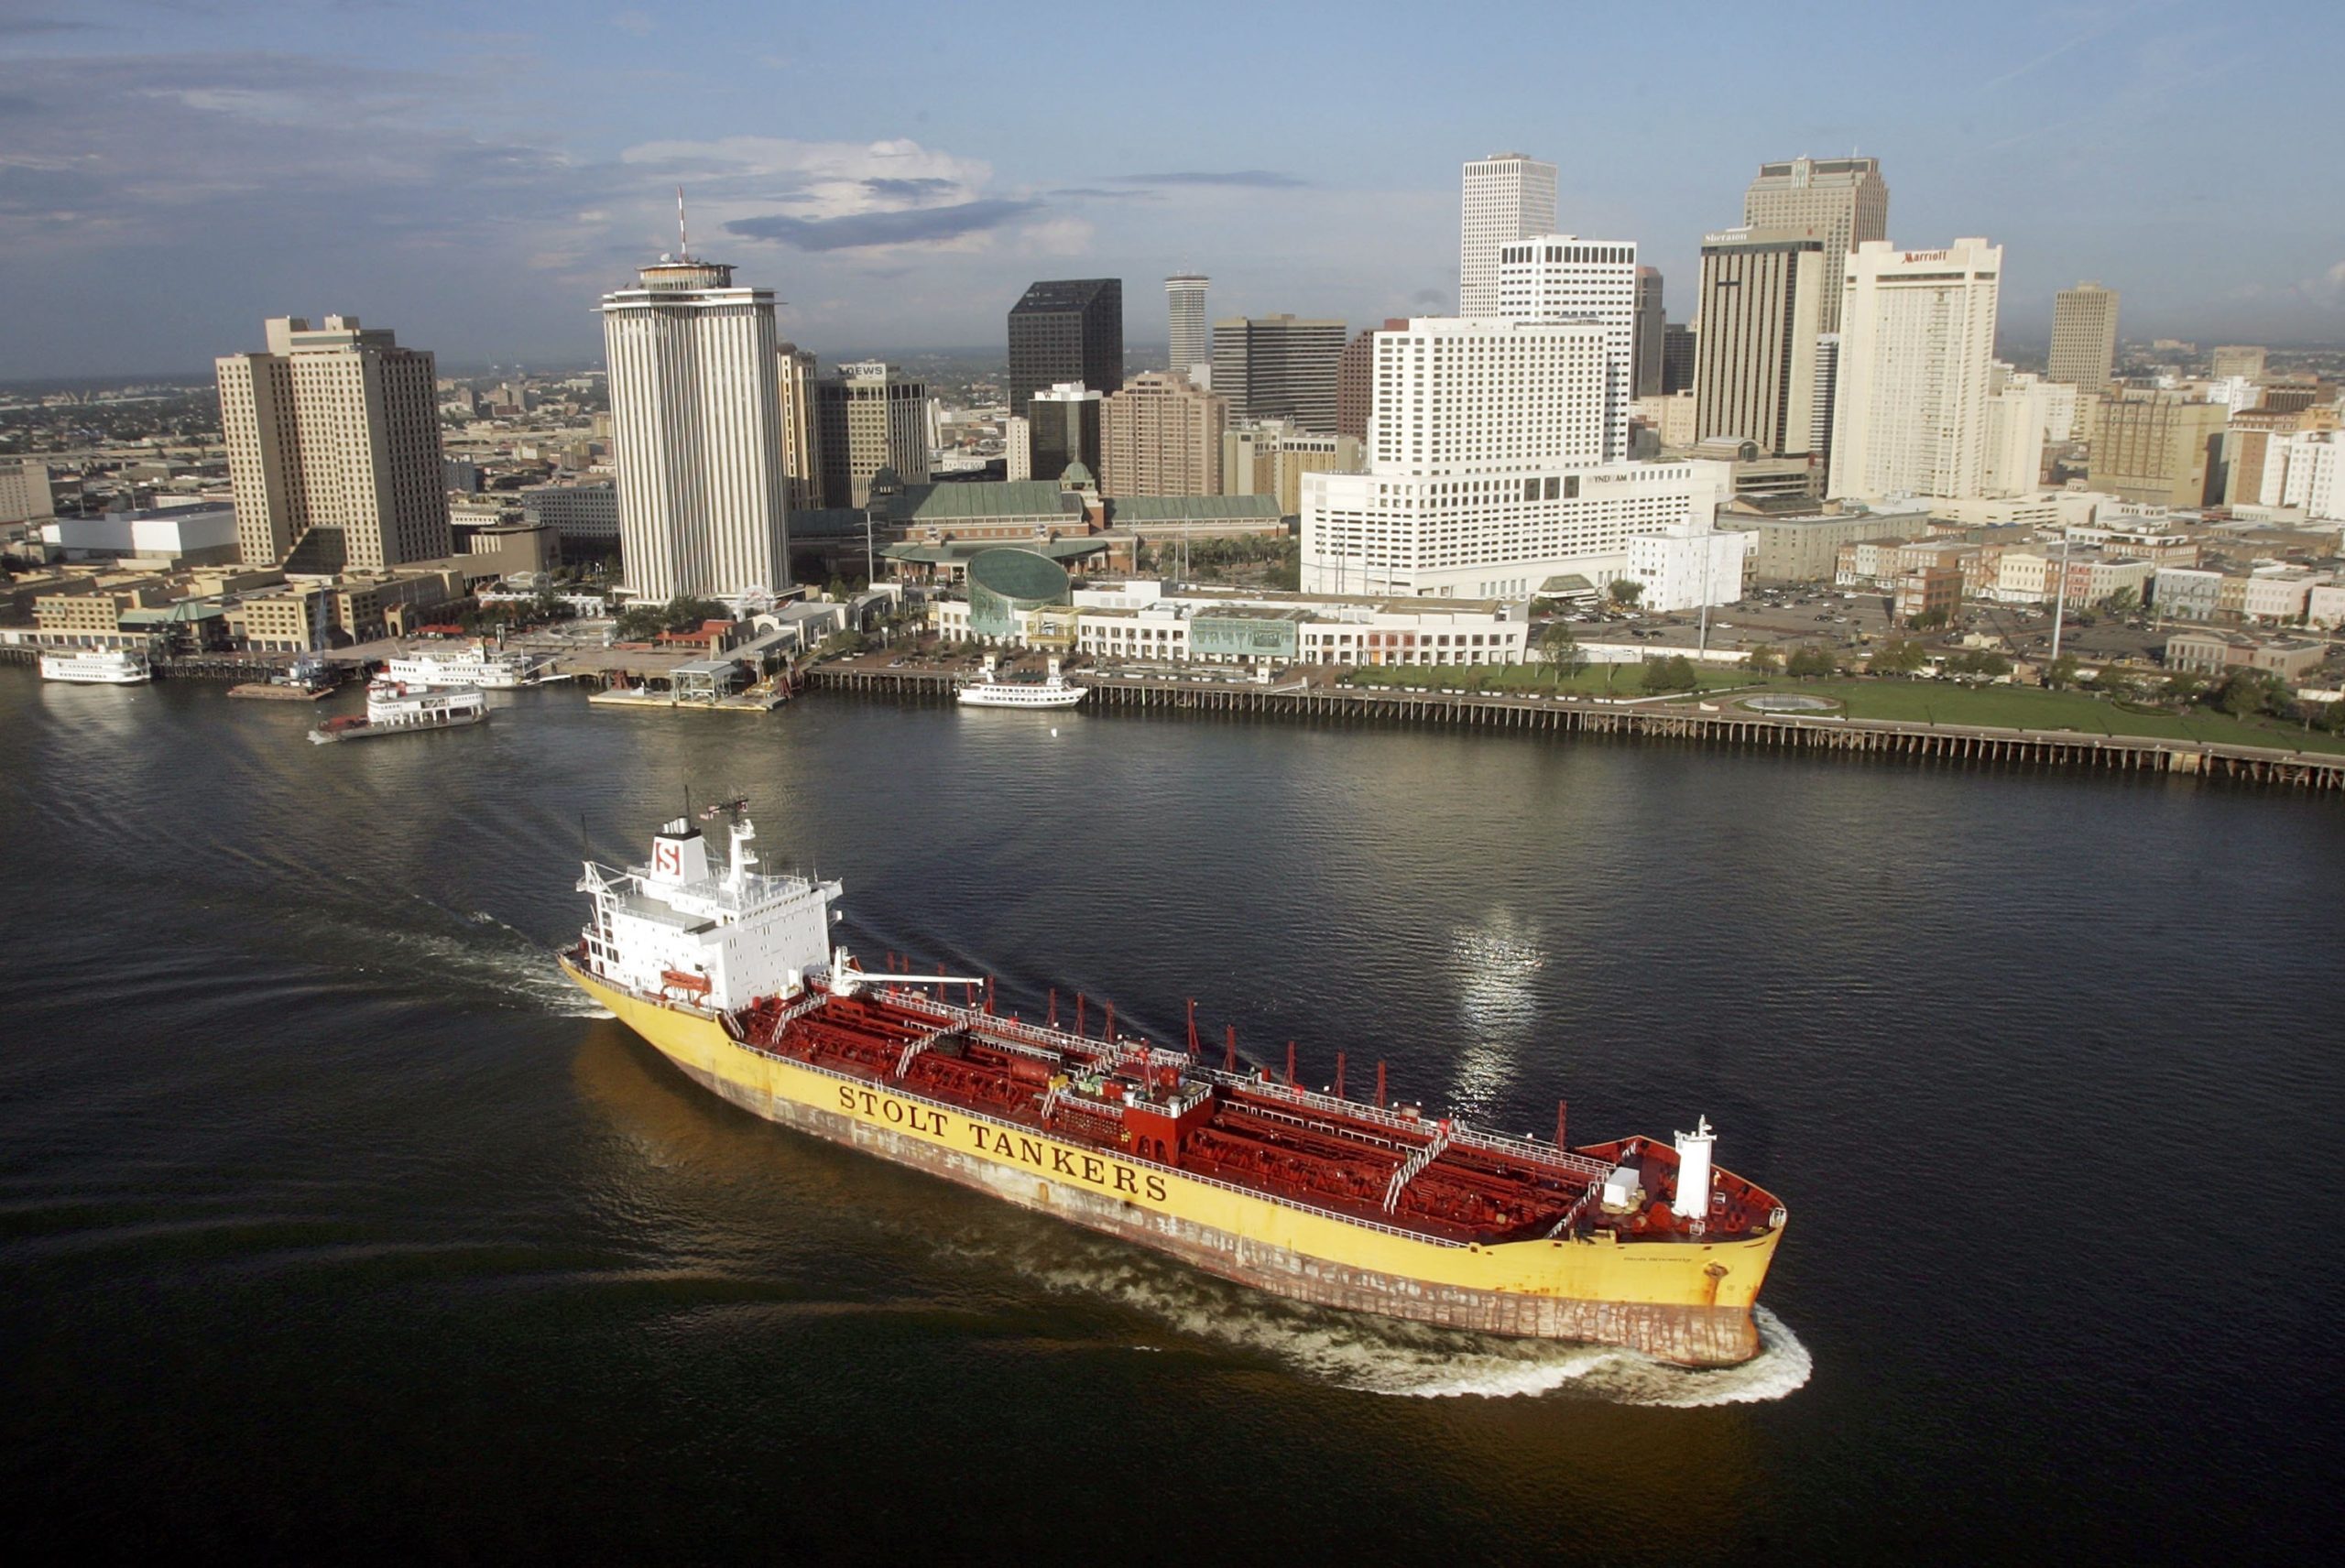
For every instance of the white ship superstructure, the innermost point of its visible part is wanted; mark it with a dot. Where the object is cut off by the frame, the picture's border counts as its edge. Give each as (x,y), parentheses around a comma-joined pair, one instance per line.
(393,707)
(989,690)
(97,667)
(683,931)
(464,666)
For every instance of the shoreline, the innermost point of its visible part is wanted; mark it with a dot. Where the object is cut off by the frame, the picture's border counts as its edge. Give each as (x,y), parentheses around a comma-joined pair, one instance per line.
(2207,761)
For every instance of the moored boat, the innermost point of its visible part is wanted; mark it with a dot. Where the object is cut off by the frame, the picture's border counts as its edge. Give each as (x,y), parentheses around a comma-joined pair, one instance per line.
(97,667)
(988,689)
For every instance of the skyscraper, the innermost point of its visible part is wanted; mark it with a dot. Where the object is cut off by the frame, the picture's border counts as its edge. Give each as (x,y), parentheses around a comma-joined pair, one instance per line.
(696,432)
(873,415)
(1917,341)
(2084,336)
(1185,301)
(1650,324)
(1844,202)
(1356,381)
(795,371)
(1070,330)
(1160,436)
(333,449)
(1679,348)
(1279,368)
(1561,278)
(1063,429)
(1755,367)
(1506,196)
(2158,448)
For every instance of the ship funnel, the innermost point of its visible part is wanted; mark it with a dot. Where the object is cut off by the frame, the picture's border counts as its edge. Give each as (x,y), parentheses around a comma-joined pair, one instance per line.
(679,856)
(1693,1172)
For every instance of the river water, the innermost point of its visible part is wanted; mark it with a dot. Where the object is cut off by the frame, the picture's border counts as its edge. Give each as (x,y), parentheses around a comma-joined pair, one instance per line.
(332,1222)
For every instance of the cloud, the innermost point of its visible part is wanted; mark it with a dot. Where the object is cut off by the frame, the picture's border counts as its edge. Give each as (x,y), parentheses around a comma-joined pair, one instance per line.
(1430,297)
(863,231)
(919,190)
(37,26)
(1249,178)
(1093,193)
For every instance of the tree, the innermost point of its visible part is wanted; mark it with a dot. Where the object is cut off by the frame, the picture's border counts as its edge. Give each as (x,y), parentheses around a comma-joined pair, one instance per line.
(1561,646)
(1627,592)
(1982,663)
(2063,673)
(2116,679)
(1807,663)
(2184,686)
(2125,602)
(1902,656)
(1763,660)
(2247,693)
(1928,620)
(1672,674)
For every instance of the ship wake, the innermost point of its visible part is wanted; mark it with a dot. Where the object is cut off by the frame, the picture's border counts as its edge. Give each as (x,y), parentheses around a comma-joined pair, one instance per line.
(1386,1355)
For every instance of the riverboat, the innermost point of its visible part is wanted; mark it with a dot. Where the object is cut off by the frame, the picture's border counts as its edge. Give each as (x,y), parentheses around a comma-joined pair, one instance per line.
(395,708)
(97,667)
(988,690)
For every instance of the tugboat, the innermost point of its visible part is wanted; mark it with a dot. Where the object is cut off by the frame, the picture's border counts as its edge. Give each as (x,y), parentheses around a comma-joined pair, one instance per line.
(395,708)
(1346,1200)
(988,690)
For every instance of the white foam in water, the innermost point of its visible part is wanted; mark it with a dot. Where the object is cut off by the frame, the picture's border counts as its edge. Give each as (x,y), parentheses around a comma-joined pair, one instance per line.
(1386,1355)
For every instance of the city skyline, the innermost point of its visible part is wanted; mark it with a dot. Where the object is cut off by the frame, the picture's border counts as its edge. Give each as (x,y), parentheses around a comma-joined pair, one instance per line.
(482,189)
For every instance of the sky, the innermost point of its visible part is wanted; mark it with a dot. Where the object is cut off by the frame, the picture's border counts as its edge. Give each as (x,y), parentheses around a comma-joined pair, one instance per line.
(475,176)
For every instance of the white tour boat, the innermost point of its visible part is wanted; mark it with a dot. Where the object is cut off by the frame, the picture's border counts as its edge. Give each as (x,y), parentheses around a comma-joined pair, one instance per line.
(97,667)
(394,707)
(989,690)
(472,667)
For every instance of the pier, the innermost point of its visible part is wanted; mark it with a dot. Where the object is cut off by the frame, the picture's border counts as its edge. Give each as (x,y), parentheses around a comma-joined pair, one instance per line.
(1577,715)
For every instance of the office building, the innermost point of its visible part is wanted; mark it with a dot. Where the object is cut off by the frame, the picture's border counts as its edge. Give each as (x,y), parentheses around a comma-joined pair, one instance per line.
(1844,202)
(1191,343)
(1761,303)
(1562,278)
(1064,431)
(1279,368)
(2084,336)
(1507,197)
(2235,359)
(1017,449)
(795,373)
(1687,565)
(1680,348)
(2307,470)
(870,417)
(1068,331)
(2020,413)
(1828,388)
(1485,475)
(1272,457)
(24,491)
(1162,436)
(1356,382)
(1651,325)
(696,432)
(583,516)
(2158,448)
(333,442)
(1917,338)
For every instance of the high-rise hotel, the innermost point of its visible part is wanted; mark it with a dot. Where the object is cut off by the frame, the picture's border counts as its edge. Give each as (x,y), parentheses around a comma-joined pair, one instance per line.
(1562,278)
(1486,471)
(1917,353)
(696,432)
(333,449)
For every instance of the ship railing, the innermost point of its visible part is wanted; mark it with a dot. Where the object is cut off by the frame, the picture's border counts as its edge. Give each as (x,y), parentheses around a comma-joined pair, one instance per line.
(1413,1166)
(914,1046)
(1273,1113)
(1004,1125)
(1572,1216)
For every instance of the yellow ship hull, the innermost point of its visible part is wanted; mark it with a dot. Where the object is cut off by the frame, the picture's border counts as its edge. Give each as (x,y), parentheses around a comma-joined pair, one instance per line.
(1685,1301)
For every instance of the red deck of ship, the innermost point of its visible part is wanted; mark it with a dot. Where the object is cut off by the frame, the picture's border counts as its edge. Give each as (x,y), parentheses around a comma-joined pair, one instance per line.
(1325,1151)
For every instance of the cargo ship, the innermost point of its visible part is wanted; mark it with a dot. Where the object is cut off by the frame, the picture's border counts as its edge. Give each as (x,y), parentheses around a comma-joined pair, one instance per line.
(1362,1203)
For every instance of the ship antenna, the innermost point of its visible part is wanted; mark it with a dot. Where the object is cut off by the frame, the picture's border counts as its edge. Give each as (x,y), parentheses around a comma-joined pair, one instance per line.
(683,239)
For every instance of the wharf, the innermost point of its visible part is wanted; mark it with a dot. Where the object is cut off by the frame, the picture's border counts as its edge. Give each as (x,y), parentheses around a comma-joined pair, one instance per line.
(1585,716)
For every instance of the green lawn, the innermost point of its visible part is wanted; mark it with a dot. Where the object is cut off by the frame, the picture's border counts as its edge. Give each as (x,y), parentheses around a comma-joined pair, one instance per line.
(1907,701)
(2027,707)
